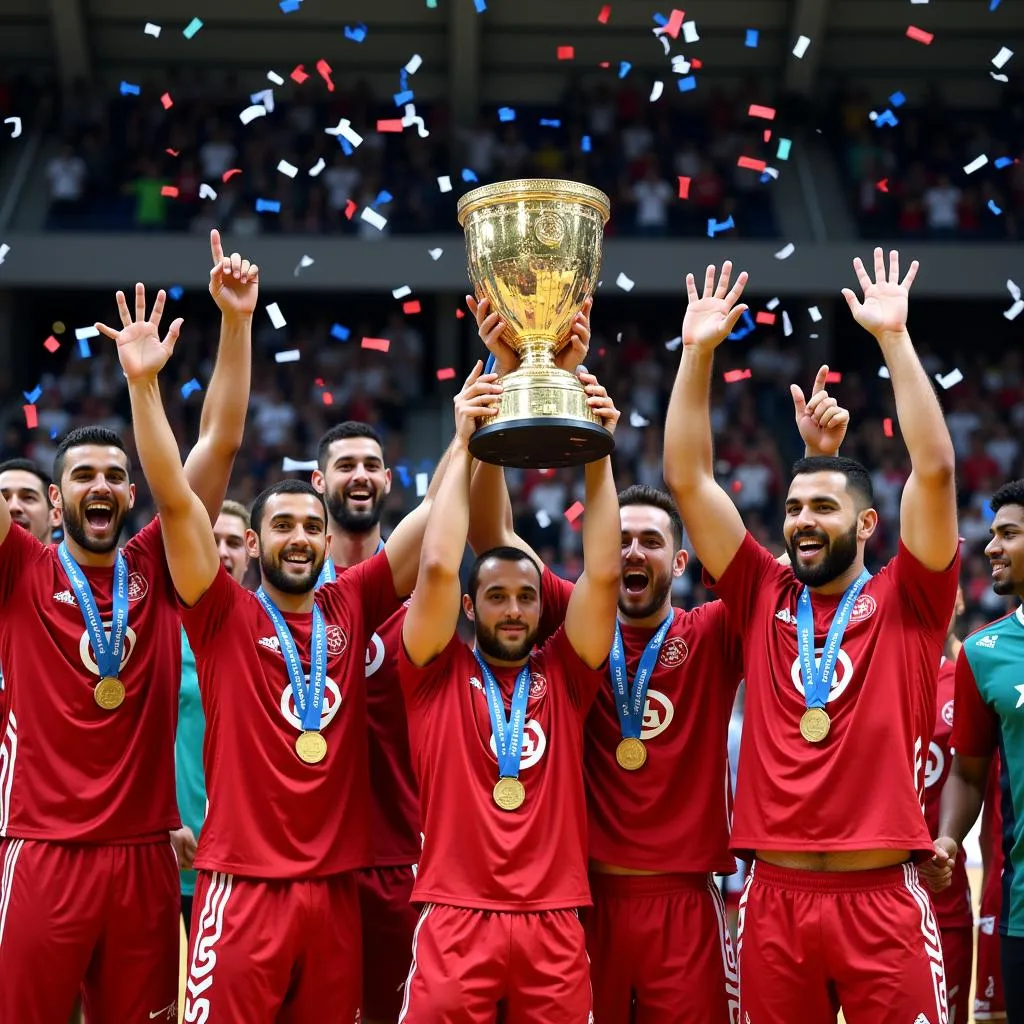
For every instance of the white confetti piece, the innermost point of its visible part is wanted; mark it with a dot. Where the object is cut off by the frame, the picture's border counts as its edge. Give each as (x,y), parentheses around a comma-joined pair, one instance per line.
(674,343)
(815,313)
(680,65)
(289,356)
(665,44)
(207,191)
(274,77)
(83,333)
(801,46)
(415,62)
(276,316)
(624,282)
(266,97)
(1004,54)
(1015,310)
(251,113)
(373,218)
(422,483)
(950,379)
(690,32)
(772,172)
(1013,288)
(998,77)
(772,304)
(298,465)
(317,168)
(400,293)
(787,324)
(883,372)
(152,30)
(636,420)
(657,90)
(4,250)
(786,251)
(286,168)
(16,122)
(444,183)
(976,164)
(346,131)
(543,519)
(306,261)
(435,254)
(412,118)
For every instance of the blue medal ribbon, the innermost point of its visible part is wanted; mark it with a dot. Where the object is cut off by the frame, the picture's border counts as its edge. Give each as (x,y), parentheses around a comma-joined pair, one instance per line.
(328,573)
(108,651)
(818,678)
(309,700)
(631,702)
(508,733)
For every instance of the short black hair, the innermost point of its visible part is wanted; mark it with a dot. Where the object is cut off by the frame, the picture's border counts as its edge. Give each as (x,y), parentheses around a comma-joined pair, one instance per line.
(1011,493)
(504,553)
(282,487)
(28,466)
(641,494)
(858,479)
(81,436)
(341,432)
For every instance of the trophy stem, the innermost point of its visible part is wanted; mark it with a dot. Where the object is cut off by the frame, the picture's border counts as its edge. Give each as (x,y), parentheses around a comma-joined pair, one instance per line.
(537,351)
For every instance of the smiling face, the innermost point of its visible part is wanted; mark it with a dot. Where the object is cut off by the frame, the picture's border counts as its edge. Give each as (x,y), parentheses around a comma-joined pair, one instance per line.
(292,542)
(26,499)
(1005,551)
(505,608)
(649,560)
(354,483)
(94,496)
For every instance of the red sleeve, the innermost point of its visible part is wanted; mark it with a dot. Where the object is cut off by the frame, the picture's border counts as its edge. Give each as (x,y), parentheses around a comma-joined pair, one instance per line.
(728,644)
(930,594)
(212,611)
(554,600)
(375,585)
(975,722)
(17,552)
(745,578)
(582,681)
(421,682)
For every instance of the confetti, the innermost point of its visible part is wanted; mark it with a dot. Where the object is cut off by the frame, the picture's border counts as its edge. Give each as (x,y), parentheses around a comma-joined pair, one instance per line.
(604,14)
(786,251)
(690,32)
(412,307)
(192,28)
(357,33)
(289,6)
(290,355)
(16,130)
(152,30)
(716,227)
(885,119)
(950,379)
(169,192)
(976,164)
(389,125)
(674,23)
(1003,161)
(995,209)
(423,479)
(1004,54)
(306,261)
(897,99)
(206,192)
(784,147)
(274,77)
(750,164)
(435,254)
(288,169)
(373,218)
(165,100)
(446,374)
(127,89)
(883,185)
(680,65)
(638,421)
(31,416)
(444,183)
(506,114)
(751,38)
(33,396)
(412,118)
(1013,288)
(264,96)
(1015,310)
(268,206)
(468,175)
(83,348)
(801,46)
(81,333)
(624,67)
(543,519)
(833,377)
(400,293)
(415,62)
(190,387)
(350,209)
(887,426)
(4,250)
(276,316)
(764,317)
(657,90)
(732,376)
(768,113)
(345,130)
(298,75)
(339,332)
(687,84)
(624,282)
(376,344)
(298,465)
(919,35)
(574,511)
(684,187)
(317,168)
(673,343)
(815,313)
(175,292)
(566,53)
(51,344)
(787,324)
(251,113)
(772,303)
(324,70)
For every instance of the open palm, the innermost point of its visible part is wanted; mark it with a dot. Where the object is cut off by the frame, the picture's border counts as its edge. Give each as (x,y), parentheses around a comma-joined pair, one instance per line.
(710,318)
(884,307)
(141,352)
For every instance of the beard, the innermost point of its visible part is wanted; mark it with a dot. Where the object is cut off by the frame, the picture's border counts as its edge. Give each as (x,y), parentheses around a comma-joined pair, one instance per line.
(1006,588)
(74,527)
(660,588)
(491,644)
(839,555)
(354,520)
(274,573)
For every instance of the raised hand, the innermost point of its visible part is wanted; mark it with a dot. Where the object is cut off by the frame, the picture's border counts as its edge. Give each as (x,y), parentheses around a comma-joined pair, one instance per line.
(821,420)
(234,282)
(141,352)
(600,401)
(710,318)
(883,309)
(479,398)
(574,353)
(491,329)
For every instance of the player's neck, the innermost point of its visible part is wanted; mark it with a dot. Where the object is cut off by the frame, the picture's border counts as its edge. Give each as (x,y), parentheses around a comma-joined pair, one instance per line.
(840,583)
(652,621)
(93,559)
(348,549)
(498,662)
(288,602)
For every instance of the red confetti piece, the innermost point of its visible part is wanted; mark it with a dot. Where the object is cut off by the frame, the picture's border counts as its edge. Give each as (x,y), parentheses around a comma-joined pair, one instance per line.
(31,418)
(411,307)
(167,101)
(919,35)
(51,344)
(377,344)
(446,374)
(736,486)
(767,135)
(390,125)
(299,74)
(684,187)
(459,314)
(675,23)
(883,185)
(731,376)
(319,382)
(605,14)
(229,174)
(764,317)
(604,64)
(750,163)
(887,426)
(350,208)
(768,113)
(566,53)
(696,63)
(833,377)
(574,511)
(328,398)
(170,191)
(173,152)
(324,69)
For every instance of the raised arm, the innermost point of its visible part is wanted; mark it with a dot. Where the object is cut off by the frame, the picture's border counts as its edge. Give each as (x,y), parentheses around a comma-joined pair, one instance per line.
(928,525)
(821,420)
(234,285)
(713,522)
(185,524)
(434,608)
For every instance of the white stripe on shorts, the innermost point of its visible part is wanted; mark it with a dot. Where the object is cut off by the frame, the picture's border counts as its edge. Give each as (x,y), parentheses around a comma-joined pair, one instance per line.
(427,908)
(7,880)
(932,940)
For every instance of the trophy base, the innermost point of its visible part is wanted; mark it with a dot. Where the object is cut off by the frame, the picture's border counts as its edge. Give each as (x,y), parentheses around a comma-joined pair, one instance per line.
(541,442)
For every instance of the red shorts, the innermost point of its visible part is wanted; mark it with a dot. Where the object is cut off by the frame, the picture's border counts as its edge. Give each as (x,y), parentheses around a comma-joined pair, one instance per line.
(273,951)
(810,942)
(389,920)
(102,920)
(660,951)
(989,1003)
(467,962)
(958,956)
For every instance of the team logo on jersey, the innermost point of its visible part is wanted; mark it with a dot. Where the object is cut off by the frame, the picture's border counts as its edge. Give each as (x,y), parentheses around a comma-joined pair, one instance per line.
(988,640)
(138,587)
(374,655)
(332,704)
(538,686)
(947,713)
(935,764)
(987,926)
(271,643)
(534,745)
(863,608)
(473,681)
(786,616)
(89,658)
(337,642)
(673,652)
(658,715)
(64,597)
(841,674)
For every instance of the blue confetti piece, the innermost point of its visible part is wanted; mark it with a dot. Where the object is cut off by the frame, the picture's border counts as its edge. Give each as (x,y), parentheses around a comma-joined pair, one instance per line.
(403,474)
(190,387)
(897,99)
(993,5)
(127,89)
(489,365)
(403,79)
(346,146)
(624,67)
(339,332)
(886,117)
(192,28)
(995,209)
(687,84)
(506,114)
(550,122)
(748,325)
(765,178)
(384,196)
(53,434)
(987,514)
(468,175)
(751,39)
(585,143)
(33,396)
(289,6)
(716,227)
(1003,161)
(481,6)
(660,20)
(176,292)
(357,33)
(268,206)
(401,98)
(784,147)
(83,348)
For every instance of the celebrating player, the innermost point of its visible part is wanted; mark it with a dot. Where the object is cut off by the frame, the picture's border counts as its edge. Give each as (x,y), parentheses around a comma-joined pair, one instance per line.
(497,740)
(89,641)
(26,489)
(840,668)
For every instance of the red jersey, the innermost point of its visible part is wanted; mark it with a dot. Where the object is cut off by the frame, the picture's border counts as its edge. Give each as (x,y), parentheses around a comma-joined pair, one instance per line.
(475,854)
(795,795)
(270,814)
(69,770)
(394,796)
(952,905)
(674,814)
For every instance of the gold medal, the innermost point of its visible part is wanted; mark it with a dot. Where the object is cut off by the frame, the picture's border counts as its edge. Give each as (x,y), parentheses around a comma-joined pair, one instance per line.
(109,693)
(509,794)
(311,746)
(631,754)
(815,724)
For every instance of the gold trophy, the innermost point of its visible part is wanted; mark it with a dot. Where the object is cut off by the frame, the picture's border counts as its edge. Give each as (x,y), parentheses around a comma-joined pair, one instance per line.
(534,250)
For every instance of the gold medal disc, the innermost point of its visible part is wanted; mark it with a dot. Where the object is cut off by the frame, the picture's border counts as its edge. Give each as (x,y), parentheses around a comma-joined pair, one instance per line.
(631,754)
(814,725)
(109,693)
(311,746)
(509,794)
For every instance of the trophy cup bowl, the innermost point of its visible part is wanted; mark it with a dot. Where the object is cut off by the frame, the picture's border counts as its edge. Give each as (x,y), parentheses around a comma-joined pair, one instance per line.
(533,248)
